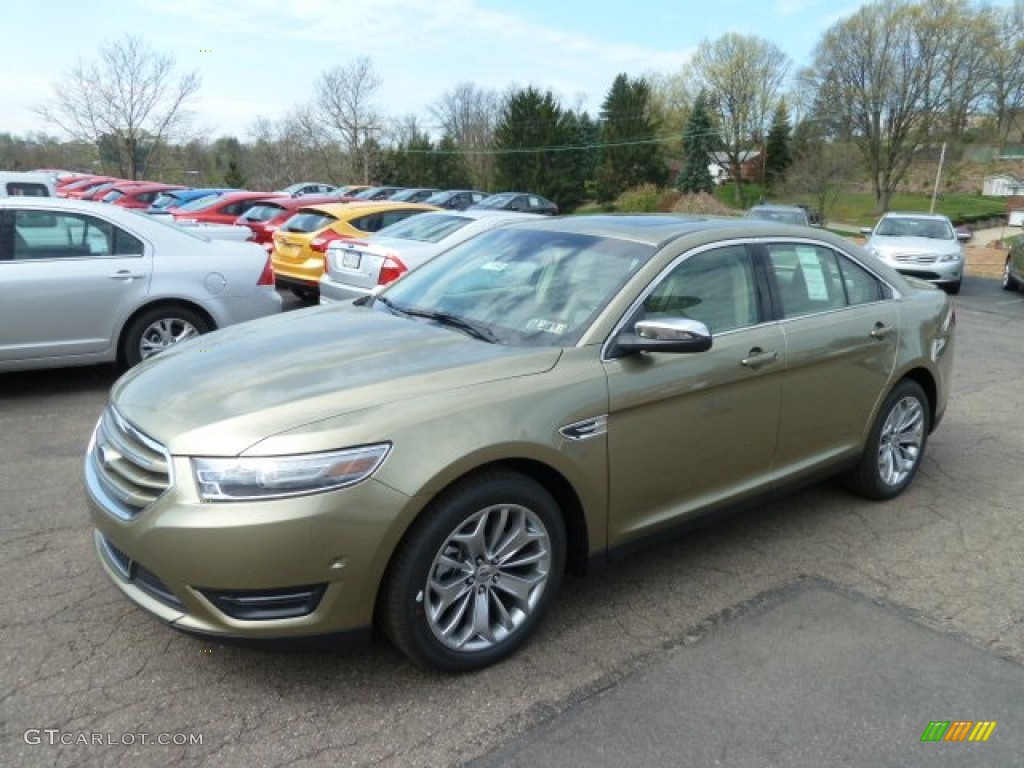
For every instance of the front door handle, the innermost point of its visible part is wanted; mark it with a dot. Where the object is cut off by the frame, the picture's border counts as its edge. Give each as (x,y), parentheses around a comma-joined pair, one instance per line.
(757,357)
(880,331)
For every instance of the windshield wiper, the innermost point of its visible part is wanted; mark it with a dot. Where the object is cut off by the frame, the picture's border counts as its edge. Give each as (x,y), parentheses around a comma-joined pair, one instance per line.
(473,329)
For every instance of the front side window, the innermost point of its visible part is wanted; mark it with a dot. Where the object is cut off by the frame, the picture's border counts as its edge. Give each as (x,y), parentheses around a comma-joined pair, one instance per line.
(716,287)
(53,235)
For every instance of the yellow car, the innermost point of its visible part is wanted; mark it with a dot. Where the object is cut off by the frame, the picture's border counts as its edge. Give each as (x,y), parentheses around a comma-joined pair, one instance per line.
(301,242)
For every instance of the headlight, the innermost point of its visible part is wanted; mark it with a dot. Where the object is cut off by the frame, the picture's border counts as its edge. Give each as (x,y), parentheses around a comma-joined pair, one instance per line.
(275,477)
(951,256)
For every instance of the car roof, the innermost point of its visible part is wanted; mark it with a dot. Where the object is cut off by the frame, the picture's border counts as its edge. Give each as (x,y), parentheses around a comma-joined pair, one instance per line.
(914,215)
(655,229)
(369,206)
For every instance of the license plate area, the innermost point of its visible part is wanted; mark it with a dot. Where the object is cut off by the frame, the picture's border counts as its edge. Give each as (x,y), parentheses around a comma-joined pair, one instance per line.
(351,259)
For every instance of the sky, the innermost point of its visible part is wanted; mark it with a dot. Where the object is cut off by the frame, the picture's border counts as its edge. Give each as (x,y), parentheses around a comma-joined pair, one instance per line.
(261,58)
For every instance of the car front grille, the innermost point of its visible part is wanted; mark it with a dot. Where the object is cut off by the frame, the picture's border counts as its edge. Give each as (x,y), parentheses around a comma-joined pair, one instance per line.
(127,469)
(916,258)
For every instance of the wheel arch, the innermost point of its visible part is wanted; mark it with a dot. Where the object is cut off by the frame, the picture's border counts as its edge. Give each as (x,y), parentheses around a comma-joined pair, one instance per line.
(551,480)
(167,302)
(926,380)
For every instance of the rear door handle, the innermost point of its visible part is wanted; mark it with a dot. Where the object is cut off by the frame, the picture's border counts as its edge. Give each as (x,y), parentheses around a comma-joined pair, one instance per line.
(880,331)
(124,274)
(757,357)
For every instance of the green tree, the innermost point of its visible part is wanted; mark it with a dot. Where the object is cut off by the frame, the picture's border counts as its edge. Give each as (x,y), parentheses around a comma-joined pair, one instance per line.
(630,153)
(450,170)
(699,140)
(536,143)
(233,176)
(778,154)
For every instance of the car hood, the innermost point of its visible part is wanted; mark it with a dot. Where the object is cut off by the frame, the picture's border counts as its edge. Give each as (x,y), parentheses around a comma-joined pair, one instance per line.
(891,246)
(222,393)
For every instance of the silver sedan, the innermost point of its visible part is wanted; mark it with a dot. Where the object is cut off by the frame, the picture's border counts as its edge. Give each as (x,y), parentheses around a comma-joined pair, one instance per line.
(85,283)
(356,268)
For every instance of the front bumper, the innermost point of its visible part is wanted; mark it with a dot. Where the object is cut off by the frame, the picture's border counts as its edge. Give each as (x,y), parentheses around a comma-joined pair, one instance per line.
(941,272)
(215,568)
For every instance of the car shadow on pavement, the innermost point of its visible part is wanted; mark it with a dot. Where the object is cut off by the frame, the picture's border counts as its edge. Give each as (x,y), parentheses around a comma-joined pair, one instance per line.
(57,381)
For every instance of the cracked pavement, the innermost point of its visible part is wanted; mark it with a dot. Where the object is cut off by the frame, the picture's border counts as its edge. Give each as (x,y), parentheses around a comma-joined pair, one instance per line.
(80,658)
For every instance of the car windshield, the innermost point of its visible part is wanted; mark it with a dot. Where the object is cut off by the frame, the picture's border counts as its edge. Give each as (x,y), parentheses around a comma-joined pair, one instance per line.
(426,227)
(905,226)
(164,199)
(778,214)
(308,221)
(262,212)
(521,287)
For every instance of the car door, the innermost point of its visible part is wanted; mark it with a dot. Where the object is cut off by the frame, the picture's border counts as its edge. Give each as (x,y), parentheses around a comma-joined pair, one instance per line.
(842,332)
(688,431)
(69,280)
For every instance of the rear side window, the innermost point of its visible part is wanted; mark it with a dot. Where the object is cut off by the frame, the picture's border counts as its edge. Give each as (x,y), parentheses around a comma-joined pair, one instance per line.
(262,212)
(813,279)
(26,189)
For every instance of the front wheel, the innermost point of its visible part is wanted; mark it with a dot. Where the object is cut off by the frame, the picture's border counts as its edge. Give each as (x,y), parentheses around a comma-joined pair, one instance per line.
(895,446)
(476,573)
(1008,282)
(158,329)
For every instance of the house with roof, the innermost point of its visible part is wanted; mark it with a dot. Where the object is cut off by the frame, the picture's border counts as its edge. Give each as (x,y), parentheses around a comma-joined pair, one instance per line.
(1002,185)
(721,168)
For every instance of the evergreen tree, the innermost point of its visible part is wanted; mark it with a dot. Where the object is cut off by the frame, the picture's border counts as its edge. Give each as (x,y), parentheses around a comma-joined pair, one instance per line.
(450,169)
(233,176)
(778,154)
(534,139)
(699,140)
(630,154)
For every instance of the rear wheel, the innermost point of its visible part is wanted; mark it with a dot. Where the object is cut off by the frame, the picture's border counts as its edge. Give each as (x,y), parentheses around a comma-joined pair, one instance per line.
(311,295)
(895,446)
(954,288)
(476,573)
(158,329)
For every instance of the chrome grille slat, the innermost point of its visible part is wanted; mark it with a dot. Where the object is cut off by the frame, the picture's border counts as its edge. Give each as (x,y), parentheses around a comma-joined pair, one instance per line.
(131,469)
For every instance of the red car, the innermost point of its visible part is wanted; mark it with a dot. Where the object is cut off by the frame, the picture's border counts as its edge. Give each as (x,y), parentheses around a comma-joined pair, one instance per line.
(265,217)
(226,208)
(137,194)
(78,190)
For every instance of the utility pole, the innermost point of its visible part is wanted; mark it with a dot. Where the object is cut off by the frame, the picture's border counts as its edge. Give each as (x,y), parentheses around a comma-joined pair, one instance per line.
(938,174)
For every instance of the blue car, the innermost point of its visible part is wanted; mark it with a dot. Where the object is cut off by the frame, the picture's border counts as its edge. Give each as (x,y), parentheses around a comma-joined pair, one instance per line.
(176,198)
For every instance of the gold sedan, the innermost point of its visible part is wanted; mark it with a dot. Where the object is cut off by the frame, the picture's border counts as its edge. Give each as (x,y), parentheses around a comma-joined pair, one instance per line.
(301,242)
(545,396)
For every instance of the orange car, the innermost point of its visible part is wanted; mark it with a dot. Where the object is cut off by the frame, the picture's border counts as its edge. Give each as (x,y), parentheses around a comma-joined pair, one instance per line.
(301,242)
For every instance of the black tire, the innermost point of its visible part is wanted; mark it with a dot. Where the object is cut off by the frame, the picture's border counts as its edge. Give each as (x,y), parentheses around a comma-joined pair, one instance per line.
(954,288)
(159,328)
(311,295)
(1008,282)
(436,559)
(898,436)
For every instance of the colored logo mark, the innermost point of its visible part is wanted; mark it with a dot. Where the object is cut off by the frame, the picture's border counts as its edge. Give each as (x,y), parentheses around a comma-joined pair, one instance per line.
(958,730)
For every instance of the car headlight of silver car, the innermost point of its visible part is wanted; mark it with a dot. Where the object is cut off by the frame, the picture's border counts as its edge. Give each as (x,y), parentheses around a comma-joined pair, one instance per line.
(275,477)
(956,256)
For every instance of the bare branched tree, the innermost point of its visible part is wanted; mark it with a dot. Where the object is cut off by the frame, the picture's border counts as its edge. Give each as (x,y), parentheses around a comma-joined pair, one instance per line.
(743,77)
(877,76)
(468,114)
(127,102)
(1006,60)
(345,101)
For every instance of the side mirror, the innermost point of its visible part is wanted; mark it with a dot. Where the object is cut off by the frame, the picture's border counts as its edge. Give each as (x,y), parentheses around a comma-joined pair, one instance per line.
(670,334)
(866,231)
(963,237)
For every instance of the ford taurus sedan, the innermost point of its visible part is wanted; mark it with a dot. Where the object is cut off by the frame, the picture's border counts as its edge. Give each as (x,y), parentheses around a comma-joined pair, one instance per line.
(433,459)
(921,245)
(86,283)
